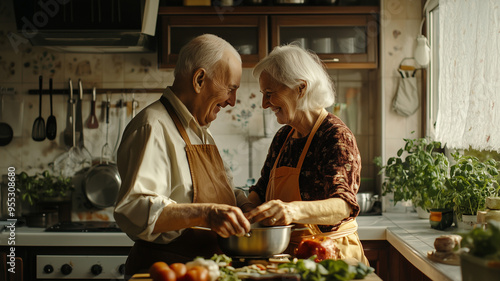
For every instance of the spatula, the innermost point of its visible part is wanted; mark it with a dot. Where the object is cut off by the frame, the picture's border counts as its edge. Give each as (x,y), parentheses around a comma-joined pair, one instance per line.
(38,132)
(51,121)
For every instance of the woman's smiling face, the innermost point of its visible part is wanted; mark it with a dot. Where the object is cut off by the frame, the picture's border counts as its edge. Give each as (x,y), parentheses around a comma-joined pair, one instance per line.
(282,100)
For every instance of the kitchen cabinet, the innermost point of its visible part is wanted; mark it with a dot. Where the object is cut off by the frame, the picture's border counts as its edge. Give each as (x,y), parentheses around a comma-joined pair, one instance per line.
(247,33)
(341,41)
(343,37)
(377,253)
(389,264)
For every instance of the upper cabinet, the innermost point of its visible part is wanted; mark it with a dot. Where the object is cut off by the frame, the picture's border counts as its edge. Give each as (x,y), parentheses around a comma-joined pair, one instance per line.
(343,37)
(247,33)
(340,41)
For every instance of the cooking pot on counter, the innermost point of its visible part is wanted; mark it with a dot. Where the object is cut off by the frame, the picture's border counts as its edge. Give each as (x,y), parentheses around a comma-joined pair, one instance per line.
(366,200)
(261,241)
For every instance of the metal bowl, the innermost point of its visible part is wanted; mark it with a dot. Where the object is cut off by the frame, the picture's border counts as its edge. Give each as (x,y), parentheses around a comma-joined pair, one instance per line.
(259,242)
(366,200)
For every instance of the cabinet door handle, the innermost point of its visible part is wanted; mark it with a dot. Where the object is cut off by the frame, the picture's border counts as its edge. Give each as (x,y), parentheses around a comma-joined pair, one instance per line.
(331,60)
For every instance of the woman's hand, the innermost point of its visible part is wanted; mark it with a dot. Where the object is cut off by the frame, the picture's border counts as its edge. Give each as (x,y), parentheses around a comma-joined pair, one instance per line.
(274,212)
(227,220)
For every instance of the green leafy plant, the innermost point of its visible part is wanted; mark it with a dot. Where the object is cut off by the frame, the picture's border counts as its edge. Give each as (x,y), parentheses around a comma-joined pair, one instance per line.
(472,182)
(418,173)
(42,186)
(483,243)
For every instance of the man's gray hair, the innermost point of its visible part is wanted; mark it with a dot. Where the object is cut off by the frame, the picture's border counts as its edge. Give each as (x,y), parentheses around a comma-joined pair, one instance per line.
(291,65)
(203,51)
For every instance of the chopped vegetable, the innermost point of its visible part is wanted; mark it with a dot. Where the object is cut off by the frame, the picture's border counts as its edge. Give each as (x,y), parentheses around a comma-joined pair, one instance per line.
(213,268)
(327,270)
(227,272)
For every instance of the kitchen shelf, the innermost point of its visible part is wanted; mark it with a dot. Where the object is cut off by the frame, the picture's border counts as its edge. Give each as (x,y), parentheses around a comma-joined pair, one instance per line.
(101,91)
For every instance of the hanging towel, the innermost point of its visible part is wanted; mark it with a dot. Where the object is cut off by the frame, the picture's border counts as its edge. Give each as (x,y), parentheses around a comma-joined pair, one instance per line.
(406,101)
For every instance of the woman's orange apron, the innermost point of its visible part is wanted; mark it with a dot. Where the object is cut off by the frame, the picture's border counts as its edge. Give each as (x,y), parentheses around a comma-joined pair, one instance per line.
(210,185)
(284,185)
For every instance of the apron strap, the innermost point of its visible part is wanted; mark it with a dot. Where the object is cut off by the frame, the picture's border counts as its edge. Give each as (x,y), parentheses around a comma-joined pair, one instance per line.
(321,117)
(175,118)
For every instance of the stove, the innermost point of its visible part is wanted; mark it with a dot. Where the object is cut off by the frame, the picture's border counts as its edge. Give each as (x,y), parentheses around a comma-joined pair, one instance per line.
(85,226)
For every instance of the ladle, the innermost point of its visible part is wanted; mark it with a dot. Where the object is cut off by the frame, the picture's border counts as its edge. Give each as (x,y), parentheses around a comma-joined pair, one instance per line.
(38,132)
(51,121)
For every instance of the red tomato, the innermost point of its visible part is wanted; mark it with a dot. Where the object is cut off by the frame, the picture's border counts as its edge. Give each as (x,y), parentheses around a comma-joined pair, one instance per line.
(196,273)
(179,269)
(160,271)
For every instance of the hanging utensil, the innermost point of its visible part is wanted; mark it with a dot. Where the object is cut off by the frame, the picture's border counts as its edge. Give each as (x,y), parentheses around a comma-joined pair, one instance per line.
(92,122)
(51,121)
(38,132)
(78,116)
(6,131)
(68,132)
(122,115)
(105,149)
(69,162)
(84,153)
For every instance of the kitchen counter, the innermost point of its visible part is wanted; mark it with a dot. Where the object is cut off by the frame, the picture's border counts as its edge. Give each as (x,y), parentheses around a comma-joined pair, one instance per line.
(411,236)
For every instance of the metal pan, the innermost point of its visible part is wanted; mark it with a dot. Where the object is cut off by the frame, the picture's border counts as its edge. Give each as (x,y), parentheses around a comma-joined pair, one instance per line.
(102,181)
(101,185)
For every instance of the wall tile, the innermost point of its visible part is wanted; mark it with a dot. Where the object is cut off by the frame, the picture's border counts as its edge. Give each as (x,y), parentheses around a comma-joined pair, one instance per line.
(10,67)
(87,67)
(113,68)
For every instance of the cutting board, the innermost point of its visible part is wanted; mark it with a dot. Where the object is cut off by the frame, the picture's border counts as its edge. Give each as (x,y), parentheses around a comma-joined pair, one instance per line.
(145,277)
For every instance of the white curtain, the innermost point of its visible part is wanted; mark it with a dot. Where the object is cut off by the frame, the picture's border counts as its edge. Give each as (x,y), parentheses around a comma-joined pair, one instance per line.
(469,79)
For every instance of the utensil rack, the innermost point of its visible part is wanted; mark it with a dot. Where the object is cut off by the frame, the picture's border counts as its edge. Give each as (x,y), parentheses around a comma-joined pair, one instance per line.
(101,91)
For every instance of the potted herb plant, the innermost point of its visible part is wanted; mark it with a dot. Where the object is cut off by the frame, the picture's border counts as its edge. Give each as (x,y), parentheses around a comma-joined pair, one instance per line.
(472,181)
(43,194)
(418,173)
(43,186)
(482,260)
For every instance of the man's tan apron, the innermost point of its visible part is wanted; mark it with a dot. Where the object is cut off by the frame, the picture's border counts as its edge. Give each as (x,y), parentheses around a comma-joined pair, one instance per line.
(210,185)
(284,185)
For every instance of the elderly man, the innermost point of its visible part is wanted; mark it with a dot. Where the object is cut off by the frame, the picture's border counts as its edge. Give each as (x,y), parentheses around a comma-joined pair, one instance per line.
(173,176)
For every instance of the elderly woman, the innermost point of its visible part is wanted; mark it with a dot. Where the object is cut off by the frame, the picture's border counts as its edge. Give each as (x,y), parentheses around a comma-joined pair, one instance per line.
(312,171)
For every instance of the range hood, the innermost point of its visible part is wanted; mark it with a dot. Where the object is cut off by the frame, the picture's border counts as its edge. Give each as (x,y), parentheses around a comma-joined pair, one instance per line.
(89,26)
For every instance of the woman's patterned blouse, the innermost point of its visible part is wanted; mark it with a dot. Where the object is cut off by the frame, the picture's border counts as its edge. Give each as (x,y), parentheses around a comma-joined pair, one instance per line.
(331,168)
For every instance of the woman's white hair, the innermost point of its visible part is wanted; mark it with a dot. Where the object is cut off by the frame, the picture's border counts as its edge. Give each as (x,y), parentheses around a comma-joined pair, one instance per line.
(203,51)
(292,65)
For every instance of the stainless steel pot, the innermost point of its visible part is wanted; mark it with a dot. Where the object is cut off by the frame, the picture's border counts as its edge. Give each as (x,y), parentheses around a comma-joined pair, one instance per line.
(261,241)
(366,200)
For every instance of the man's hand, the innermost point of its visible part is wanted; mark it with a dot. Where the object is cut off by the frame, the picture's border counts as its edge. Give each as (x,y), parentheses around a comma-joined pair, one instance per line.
(227,220)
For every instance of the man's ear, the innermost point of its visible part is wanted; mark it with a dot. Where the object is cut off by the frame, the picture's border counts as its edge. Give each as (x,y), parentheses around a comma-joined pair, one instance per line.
(302,88)
(199,77)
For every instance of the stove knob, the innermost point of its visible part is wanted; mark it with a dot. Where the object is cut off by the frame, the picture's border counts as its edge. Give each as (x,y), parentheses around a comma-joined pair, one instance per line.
(96,269)
(48,268)
(121,269)
(66,269)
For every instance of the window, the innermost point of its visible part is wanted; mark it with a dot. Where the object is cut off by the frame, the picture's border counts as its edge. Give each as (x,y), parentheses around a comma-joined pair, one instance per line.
(432,16)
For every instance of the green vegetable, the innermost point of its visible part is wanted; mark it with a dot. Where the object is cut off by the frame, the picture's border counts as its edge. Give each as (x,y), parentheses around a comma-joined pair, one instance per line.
(327,270)
(227,272)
